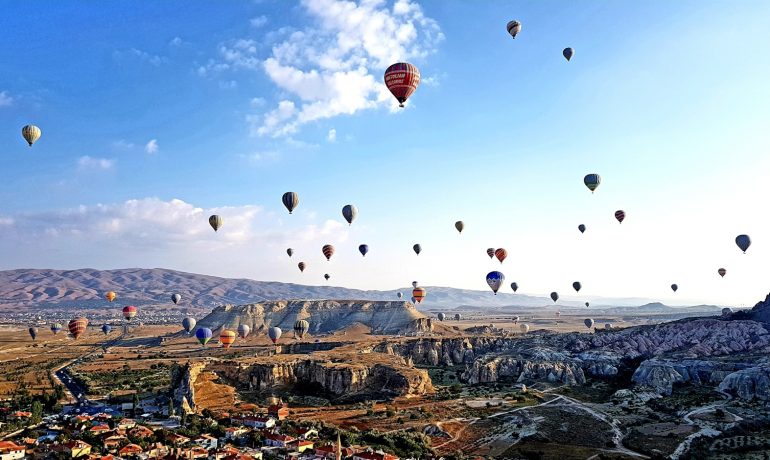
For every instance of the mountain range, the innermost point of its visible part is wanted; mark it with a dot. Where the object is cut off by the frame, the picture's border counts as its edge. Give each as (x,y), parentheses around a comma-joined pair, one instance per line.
(48,288)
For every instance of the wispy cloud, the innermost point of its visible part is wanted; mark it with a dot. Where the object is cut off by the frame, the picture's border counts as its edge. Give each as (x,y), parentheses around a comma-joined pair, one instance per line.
(233,55)
(122,144)
(176,41)
(258,21)
(134,53)
(5,99)
(260,157)
(228,84)
(257,102)
(151,146)
(332,136)
(88,163)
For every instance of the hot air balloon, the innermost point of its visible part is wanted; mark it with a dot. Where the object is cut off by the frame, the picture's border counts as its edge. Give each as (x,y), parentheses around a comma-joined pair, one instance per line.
(514,27)
(227,338)
(363,249)
(592,181)
(326,276)
(129,312)
(176,298)
(110,296)
(31,134)
(608,326)
(515,287)
(290,252)
(301,266)
(568,52)
(491,252)
(419,294)
(674,287)
(402,80)
(722,272)
(459,225)
(515,319)
(554,297)
(588,322)
(274,333)
(215,221)
(457,317)
(300,328)
(399,295)
(189,324)
(77,326)
(495,280)
(501,254)
(32,332)
(349,212)
(414,284)
(743,242)
(620,215)
(290,200)
(417,249)
(328,251)
(106,329)
(582,228)
(577,286)
(524,328)
(414,301)
(587,304)
(56,327)
(243,331)
(203,334)
(727,311)
(441,316)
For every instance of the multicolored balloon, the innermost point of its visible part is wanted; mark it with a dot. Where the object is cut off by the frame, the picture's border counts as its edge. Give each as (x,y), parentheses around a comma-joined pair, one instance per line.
(441,316)
(620,215)
(203,334)
(363,249)
(491,252)
(77,327)
(243,331)
(328,251)
(743,242)
(189,324)
(501,254)
(56,328)
(301,327)
(419,294)
(495,279)
(31,134)
(110,296)
(592,181)
(402,79)
(176,298)
(129,312)
(290,200)
(227,338)
(514,27)
(349,212)
(588,322)
(274,333)
(216,222)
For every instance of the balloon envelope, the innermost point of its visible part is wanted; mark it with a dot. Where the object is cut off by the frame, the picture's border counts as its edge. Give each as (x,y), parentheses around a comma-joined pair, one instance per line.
(176,298)
(189,324)
(568,52)
(441,316)
(203,334)
(415,283)
(620,215)
(402,79)
(274,333)
(589,323)
(326,276)
(577,286)
(419,294)
(399,295)
(722,272)
(290,252)
(459,225)
(674,287)
(515,287)
(554,296)
(215,221)
(524,328)
(501,254)
(301,327)
(31,134)
(608,326)
(110,296)
(301,266)
(363,249)
(514,27)
(417,249)
(495,279)
(592,181)
(32,332)
(457,317)
(743,242)
(227,338)
(77,326)
(243,331)
(491,252)
(129,312)
(290,200)
(587,304)
(56,327)
(349,212)
(328,251)
(582,228)
(106,329)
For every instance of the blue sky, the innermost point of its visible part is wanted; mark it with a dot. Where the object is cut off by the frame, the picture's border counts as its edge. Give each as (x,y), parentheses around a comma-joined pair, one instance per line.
(155,115)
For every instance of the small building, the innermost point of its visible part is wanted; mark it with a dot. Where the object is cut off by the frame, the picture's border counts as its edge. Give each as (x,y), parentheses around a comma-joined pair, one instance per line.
(140,432)
(126,424)
(77,448)
(303,445)
(177,440)
(259,423)
(112,443)
(307,433)
(278,412)
(206,441)
(374,456)
(330,452)
(278,440)
(9,450)
(100,429)
(236,433)
(21,415)
(130,450)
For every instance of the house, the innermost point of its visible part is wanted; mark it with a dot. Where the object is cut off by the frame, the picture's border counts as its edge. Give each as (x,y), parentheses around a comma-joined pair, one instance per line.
(303,445)
(307,433)
(100,457)
(206,441)
(374,456)
(9,450)
(100,429)
(130,450)
(278,412)
(177,440)
(77,448)
(236,433)
(21,415)
(140,432)
(259,423)
(157,450)
(278,440)
(112,443)
(330,452)
(193,452)
(126,424)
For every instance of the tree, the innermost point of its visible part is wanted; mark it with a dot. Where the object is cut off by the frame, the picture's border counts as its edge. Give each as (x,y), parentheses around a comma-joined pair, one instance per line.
(37,411)
(171,410)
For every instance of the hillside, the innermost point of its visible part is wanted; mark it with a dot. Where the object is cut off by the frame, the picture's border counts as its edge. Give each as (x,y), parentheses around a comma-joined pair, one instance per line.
(84,288)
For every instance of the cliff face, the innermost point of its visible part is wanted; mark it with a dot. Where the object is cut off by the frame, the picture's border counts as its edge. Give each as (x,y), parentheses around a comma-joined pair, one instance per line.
(661,374)
(183,380)
(751,383)
(397,317)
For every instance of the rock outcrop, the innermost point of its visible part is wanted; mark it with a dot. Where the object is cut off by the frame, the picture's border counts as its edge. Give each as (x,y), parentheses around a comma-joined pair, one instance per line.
(751,383)
(539,364)
(183,386)
(396,317)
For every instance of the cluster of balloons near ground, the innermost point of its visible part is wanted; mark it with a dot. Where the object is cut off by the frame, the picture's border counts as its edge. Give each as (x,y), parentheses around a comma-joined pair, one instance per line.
(228,337)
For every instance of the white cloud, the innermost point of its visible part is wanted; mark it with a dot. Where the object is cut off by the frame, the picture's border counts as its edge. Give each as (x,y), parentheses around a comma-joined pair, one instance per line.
(5,99)
(233,55)
(152,59)
(151,146)
(257,101)
(258,21)
(332,136)
(229,84)
(176,41)
(260,157)
(87,163)
(122,144)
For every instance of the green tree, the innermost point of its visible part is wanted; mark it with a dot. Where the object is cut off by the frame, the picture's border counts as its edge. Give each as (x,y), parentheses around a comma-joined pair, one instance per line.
(37,411)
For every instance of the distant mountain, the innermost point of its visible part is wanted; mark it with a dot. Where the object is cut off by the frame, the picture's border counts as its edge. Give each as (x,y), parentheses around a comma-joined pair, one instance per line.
(85,288)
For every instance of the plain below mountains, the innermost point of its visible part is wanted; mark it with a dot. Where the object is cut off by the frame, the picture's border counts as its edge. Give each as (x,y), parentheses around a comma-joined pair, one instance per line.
(44,288)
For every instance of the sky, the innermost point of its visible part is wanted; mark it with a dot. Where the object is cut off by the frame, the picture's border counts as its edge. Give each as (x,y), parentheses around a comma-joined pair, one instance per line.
(156,115)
